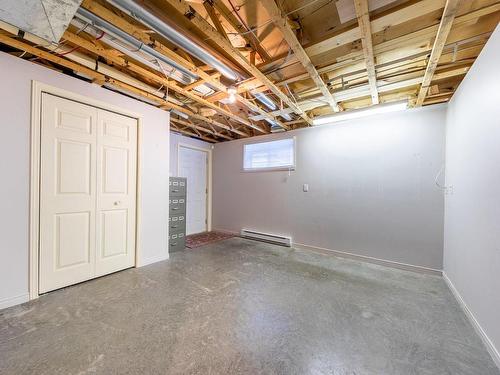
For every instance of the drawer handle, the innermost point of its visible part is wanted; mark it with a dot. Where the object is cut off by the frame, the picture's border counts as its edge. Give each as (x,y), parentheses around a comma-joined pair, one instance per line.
(174,244)
(174,226)
(175,208)
(175,190)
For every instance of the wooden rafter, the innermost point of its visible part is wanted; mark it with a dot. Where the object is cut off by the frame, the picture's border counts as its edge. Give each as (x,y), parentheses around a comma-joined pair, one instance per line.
(362,13)
(449,13)
(200,128)
(190,133)
(207,29)
(101,78)
(248,35)
(282,23)
(418,37)
(415,50)
(98,50)
(404,14)
(140,34)
(364,90)
(209,7)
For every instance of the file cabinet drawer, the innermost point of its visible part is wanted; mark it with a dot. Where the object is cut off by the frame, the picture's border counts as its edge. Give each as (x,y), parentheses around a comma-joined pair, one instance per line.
(176,242)
(177,205)
(177,187)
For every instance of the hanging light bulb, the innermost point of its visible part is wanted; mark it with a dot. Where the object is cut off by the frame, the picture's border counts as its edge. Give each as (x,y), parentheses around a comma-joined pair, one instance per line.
(232,94)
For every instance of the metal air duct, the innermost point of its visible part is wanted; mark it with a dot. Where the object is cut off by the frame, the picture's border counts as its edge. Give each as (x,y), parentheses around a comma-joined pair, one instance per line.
(264,99)
(168,32)
(186,76)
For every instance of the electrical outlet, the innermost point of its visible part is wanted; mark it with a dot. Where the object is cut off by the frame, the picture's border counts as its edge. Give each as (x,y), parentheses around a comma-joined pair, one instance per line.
(305,188)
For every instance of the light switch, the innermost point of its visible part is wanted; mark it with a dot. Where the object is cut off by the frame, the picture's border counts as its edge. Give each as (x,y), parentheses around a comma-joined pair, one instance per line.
(305,188)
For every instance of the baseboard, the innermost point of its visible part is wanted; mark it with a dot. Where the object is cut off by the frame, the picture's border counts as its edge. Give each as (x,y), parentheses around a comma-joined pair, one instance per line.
(495,354)
(364,258)
(226,231)
(148,261)
(12,301)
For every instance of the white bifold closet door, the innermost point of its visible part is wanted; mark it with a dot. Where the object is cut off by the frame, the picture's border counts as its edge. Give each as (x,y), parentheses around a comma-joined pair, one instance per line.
(87,192)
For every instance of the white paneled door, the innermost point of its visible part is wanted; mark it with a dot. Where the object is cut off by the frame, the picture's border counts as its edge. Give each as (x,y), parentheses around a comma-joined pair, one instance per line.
(87,192)
(193,165)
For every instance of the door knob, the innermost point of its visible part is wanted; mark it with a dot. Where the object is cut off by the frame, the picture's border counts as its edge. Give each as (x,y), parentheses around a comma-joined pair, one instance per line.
(117,203)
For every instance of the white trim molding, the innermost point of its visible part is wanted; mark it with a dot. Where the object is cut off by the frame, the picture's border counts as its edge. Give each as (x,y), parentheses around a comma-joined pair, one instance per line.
(37,89)
(361,258)
(12,301)
(364,258)
(148,261)
(495,354)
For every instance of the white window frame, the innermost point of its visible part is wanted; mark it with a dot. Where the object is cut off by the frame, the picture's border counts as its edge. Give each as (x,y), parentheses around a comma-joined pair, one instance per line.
(270,169)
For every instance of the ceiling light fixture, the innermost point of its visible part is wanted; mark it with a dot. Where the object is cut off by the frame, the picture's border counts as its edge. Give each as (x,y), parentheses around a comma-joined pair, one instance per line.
(357,113)
(232,94)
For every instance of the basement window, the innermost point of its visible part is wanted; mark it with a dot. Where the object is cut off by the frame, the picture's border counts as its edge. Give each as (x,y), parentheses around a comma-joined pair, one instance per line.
(273,155)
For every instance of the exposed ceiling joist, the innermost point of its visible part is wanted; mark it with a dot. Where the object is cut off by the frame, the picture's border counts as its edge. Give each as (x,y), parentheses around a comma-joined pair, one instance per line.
(282,23)
(102,78)
(98,50)
(248,35)
(220,41)
(140,34)
(362,13)
(395,50)
(209,7)
(200,128)
(449,13)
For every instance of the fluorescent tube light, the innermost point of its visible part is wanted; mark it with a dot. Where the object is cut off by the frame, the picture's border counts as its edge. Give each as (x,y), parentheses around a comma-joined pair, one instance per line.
(357,113)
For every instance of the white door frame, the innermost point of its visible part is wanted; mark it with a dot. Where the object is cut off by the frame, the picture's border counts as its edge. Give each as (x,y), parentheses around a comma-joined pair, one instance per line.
(209,177)
(37,89)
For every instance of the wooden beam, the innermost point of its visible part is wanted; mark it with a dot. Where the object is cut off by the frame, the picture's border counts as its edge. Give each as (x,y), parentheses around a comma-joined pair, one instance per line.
(363,91)
(419,37)
(380,23)
(117,60)
(197,20)
(209,7)
(102,78)
(187,132)
(282,23)
(449,13)
(238,26)
(200,128)
(143,36)
(52,58)
(362,13)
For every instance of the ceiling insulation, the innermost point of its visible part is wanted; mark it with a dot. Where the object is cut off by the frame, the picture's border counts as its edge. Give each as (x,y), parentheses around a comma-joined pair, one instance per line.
(47,19)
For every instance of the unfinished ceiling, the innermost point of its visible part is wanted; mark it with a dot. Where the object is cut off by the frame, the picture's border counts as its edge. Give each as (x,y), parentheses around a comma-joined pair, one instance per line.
(229,69)
(47,19)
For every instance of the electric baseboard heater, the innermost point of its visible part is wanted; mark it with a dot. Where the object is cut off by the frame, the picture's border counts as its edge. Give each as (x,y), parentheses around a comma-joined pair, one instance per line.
(266,237)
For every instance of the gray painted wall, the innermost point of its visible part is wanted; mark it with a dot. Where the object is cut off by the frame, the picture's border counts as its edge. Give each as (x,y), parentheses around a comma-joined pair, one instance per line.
(371,188)
(472,212)
(15,99)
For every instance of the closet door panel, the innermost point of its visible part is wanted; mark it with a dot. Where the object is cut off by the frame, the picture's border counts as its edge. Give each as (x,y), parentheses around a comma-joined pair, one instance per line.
(116,192)
(67,192)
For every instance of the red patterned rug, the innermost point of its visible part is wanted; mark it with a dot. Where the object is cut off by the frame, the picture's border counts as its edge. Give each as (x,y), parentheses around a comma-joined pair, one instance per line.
(200,239)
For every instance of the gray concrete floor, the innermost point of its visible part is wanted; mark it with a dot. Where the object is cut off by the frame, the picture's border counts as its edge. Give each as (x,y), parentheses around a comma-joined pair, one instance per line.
(243,307)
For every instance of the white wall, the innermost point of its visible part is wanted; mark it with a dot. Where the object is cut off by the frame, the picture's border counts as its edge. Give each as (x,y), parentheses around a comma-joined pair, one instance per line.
(175,140)
(15,97)
(472,212)
(371,182)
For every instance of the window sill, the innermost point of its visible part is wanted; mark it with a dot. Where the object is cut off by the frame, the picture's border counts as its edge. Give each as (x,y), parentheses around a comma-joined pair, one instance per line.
(271,169)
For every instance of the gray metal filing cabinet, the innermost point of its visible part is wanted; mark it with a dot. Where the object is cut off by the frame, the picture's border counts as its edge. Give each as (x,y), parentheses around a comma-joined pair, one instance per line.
(177,214)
